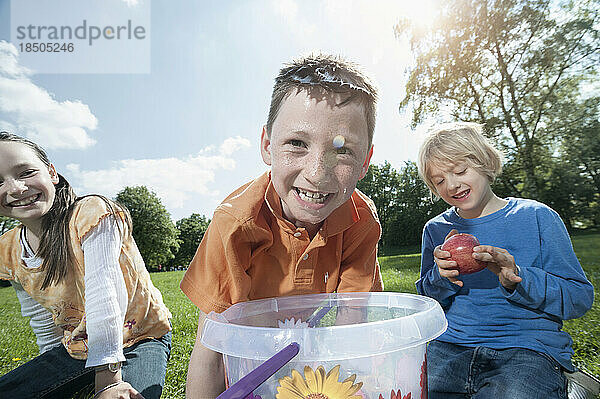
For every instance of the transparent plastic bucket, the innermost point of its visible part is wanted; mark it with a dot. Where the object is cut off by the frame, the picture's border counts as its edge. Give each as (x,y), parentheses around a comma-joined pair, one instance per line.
(376,341)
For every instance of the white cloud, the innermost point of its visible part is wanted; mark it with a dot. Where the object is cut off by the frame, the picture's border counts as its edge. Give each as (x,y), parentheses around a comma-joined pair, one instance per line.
(36,113)
(233,144)
(175,181)
(132,3)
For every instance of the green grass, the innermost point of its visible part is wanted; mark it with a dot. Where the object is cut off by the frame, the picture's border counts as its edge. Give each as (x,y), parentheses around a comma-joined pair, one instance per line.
(399,274)
(585,331)
(185,325)
(17,344)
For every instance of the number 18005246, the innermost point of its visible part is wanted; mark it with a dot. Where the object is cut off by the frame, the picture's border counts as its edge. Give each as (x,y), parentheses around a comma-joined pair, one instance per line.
(47,47)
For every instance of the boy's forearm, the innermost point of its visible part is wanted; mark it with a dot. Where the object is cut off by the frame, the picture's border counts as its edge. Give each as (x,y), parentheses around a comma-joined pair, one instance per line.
(555,295)
(206,376)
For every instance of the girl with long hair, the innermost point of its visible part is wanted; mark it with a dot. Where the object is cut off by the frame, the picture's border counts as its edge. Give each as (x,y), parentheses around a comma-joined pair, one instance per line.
(80,278)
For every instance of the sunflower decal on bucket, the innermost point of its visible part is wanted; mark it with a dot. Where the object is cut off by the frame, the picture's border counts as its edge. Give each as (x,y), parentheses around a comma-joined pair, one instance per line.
(318,385)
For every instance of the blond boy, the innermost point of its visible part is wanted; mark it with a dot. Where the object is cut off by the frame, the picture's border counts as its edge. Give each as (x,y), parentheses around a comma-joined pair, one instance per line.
(504,336)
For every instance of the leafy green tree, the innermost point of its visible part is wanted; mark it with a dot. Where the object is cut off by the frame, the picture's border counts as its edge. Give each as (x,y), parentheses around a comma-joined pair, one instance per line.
(415,207)
(517,66)
(567,192)
(191,230)
(403,203)
(581,150)
(6,224)
(153,230)
(380,184)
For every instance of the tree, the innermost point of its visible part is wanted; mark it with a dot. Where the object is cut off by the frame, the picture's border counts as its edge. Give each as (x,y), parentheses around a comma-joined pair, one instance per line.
(191,230)
(581,150)
(517,66)
(402,201)
(6,224)
(415,207)
(153,230)
(379,185)
(567,193)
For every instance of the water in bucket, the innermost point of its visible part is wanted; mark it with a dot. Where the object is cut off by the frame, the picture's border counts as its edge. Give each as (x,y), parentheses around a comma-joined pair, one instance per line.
(365,345)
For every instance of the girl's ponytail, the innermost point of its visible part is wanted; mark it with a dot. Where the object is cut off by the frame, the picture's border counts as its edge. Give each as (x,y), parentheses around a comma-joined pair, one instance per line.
(55,243)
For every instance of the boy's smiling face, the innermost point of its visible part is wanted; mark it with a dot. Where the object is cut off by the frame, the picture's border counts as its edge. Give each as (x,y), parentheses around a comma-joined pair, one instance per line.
(318,150)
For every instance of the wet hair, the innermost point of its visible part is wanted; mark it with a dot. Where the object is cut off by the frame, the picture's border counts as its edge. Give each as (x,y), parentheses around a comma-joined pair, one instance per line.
(332,74)
(55,244)
(454,143)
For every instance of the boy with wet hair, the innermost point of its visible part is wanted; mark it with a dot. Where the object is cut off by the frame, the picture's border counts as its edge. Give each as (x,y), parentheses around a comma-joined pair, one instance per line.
(504,336)
(302,227)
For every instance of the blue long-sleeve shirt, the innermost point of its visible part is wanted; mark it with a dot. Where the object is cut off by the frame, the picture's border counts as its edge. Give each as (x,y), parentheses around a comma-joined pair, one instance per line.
(483,312)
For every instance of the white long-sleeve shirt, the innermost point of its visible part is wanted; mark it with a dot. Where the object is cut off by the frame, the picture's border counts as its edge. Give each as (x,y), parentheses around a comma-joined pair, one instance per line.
(48,334)
(105,293)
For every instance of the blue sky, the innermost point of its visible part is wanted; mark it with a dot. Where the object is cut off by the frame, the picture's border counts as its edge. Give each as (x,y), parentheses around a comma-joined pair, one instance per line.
(190,129)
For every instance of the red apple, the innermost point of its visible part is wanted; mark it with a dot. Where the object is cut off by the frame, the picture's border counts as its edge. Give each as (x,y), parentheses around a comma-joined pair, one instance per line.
(460,247)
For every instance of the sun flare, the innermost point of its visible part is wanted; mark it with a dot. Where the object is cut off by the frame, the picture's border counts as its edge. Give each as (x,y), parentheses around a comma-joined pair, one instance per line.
(421,13)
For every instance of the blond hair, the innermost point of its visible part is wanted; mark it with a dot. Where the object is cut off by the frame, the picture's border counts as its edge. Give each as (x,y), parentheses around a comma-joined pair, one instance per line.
(453,143)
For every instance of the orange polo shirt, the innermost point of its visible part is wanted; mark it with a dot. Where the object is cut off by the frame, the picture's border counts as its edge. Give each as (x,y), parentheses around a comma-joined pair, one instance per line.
(251,252)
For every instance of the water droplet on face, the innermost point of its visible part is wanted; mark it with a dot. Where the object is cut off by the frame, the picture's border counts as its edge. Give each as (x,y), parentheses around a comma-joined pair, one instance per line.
(345,191)
(339,141)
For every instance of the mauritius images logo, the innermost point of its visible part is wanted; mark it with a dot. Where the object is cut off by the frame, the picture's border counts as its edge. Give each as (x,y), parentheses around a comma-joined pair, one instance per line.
(85,32)
(82,36)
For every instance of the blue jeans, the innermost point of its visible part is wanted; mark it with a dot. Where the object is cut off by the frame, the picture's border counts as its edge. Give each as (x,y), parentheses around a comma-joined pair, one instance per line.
(55,374)
(455,371)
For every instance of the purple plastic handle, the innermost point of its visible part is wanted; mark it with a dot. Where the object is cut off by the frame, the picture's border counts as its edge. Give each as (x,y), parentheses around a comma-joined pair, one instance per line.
(316,318)
(245,386)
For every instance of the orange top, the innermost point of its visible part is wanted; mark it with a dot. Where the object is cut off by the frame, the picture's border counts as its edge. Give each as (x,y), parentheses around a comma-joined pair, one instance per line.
(251,252)
(146,316)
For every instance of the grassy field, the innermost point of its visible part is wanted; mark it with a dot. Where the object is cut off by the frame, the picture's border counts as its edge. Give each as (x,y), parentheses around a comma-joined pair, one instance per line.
(17,345)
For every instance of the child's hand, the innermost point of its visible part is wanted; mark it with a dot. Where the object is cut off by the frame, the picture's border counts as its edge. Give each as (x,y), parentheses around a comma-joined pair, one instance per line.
(445,266)
(121,391)
(501,263)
